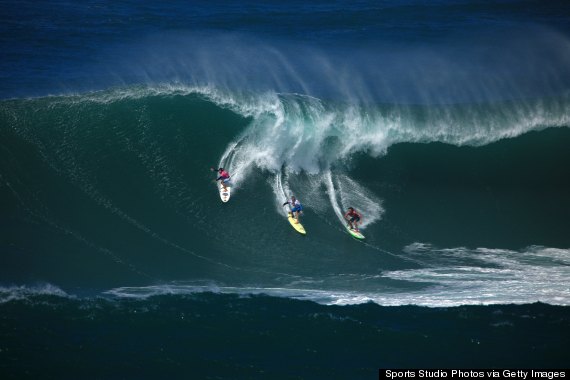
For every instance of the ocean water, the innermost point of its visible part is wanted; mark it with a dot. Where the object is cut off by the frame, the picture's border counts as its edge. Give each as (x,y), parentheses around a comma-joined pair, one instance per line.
(444,123)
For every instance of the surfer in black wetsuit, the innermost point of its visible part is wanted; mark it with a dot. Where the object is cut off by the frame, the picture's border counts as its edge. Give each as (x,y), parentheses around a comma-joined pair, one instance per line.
(353,218)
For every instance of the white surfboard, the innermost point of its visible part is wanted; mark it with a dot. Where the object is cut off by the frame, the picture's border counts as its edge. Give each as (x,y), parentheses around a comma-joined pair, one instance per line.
(224,194)
(355,234)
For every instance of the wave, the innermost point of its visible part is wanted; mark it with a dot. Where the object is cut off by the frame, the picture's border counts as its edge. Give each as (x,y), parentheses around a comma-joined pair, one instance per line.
(286,134)
(290,133)
(119,179)
(454,277)
(299,133)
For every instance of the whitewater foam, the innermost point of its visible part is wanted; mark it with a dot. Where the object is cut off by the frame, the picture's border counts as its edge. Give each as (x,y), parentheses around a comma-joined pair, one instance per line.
(26,293)
(494,276)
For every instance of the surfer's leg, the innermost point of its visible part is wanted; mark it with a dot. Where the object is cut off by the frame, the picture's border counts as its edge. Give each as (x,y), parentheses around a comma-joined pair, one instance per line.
(295,212)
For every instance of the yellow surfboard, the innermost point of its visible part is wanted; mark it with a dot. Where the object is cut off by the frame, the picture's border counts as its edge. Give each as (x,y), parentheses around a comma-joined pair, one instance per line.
(297,226)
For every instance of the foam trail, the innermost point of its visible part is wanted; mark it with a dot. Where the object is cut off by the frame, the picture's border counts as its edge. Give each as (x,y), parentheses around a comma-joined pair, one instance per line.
(357,197)
(281,190)
(333,197)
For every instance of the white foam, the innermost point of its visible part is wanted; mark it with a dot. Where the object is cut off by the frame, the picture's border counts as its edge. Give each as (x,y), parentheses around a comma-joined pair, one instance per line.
(19,293)
(484,277)
(494,275)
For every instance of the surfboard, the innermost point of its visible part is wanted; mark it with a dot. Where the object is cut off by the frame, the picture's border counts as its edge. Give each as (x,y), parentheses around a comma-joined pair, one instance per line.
(297,226)
(355,234)
(225,195)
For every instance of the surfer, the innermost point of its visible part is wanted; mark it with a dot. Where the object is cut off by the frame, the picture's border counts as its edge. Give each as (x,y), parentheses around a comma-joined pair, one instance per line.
(224,176)
(353,218)
(296,208)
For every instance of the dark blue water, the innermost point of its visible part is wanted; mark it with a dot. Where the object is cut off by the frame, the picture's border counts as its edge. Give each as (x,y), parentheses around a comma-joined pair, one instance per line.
(444,123)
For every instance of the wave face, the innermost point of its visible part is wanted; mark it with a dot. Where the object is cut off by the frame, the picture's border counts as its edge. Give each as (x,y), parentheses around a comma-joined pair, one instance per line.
(116,187)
